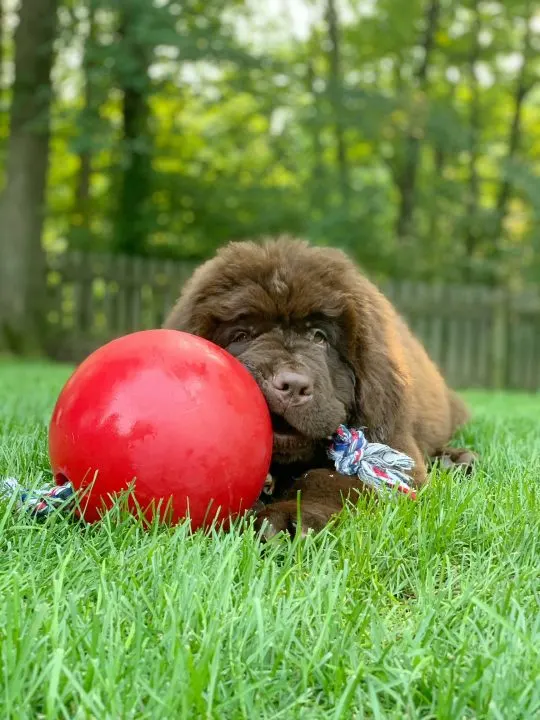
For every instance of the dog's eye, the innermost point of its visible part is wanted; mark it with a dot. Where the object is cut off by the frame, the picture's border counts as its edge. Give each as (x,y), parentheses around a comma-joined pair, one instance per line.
(319,336)
(240,336)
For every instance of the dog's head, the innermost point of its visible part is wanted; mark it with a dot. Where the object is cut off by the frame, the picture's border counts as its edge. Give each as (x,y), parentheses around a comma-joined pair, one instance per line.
(308,326)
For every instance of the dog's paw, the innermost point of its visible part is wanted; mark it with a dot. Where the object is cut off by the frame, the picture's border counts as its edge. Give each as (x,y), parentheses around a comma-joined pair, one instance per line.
(284,517)
(460,459)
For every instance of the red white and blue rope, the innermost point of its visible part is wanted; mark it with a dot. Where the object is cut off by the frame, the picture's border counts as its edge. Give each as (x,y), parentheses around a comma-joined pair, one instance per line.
(39,503)
(378,466)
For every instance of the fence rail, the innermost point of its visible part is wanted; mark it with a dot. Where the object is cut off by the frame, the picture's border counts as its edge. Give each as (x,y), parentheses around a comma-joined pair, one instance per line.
(480,337)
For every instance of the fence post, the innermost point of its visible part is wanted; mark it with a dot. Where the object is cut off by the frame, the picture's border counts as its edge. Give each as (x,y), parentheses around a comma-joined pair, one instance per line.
(499,340)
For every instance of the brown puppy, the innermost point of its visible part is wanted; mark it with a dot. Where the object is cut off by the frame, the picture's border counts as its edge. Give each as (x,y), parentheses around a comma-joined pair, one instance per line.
(326,347)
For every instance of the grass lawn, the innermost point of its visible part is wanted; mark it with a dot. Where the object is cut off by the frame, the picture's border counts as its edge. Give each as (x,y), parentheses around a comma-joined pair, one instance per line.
(407,610)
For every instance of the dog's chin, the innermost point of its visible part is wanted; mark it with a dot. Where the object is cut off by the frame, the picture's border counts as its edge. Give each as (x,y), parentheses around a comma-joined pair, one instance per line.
(291,445)
(289,449)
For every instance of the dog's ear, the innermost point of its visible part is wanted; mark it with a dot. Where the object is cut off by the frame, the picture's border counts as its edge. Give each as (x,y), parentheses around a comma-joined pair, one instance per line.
(375,354)
(190,313)
(205,300)
(184,316)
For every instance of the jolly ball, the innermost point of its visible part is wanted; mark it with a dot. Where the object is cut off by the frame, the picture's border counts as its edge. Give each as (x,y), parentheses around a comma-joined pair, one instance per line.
(169,417)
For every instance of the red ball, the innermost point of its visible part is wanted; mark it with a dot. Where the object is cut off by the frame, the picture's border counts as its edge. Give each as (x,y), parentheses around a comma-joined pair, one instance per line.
(172,413)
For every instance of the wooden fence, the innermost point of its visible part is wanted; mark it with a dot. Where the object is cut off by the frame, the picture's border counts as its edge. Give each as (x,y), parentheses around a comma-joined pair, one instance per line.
(480,337)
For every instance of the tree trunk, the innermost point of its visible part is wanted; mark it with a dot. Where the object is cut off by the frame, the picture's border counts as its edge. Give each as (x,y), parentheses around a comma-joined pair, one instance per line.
(317,173)
(3,82)
(473,192)
(1,47)
(335,85)
(523,86)
(89,118)
(22,270)
(440,157)
(407,178)
(131,226)
(439,163)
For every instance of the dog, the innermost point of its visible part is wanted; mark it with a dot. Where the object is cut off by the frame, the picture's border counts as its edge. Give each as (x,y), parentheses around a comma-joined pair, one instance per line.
(326,347)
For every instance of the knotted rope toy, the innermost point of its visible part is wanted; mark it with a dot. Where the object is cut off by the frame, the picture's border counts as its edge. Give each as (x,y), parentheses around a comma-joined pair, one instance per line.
(378,466)
(40,503)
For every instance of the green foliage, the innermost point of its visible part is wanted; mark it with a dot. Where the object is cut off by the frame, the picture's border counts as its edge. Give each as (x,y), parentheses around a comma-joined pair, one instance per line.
(426,609)
(178,125)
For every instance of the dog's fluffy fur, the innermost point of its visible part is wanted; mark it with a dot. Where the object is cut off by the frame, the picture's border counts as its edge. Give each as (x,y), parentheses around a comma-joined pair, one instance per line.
(283,304)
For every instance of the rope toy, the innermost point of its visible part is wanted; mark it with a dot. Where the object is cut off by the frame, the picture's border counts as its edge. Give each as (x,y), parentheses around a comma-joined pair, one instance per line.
(40,503)
(377,466)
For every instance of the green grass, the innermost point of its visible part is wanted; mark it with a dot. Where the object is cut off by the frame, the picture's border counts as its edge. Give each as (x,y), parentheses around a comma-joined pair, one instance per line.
(407,610)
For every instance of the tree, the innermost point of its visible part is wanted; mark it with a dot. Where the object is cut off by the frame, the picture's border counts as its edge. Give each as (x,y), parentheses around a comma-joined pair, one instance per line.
(471,225)
(2,80)
(335,86)
(135,54)
(189,123)
(524,84)
(22,270)
(88,122)
(1,45)
(407,177)
(318,168)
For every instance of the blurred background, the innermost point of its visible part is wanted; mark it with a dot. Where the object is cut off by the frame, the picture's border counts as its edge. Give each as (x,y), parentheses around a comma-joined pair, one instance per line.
(137,136)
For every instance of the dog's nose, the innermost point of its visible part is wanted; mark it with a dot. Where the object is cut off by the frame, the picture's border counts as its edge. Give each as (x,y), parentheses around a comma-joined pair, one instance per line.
(292,388)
